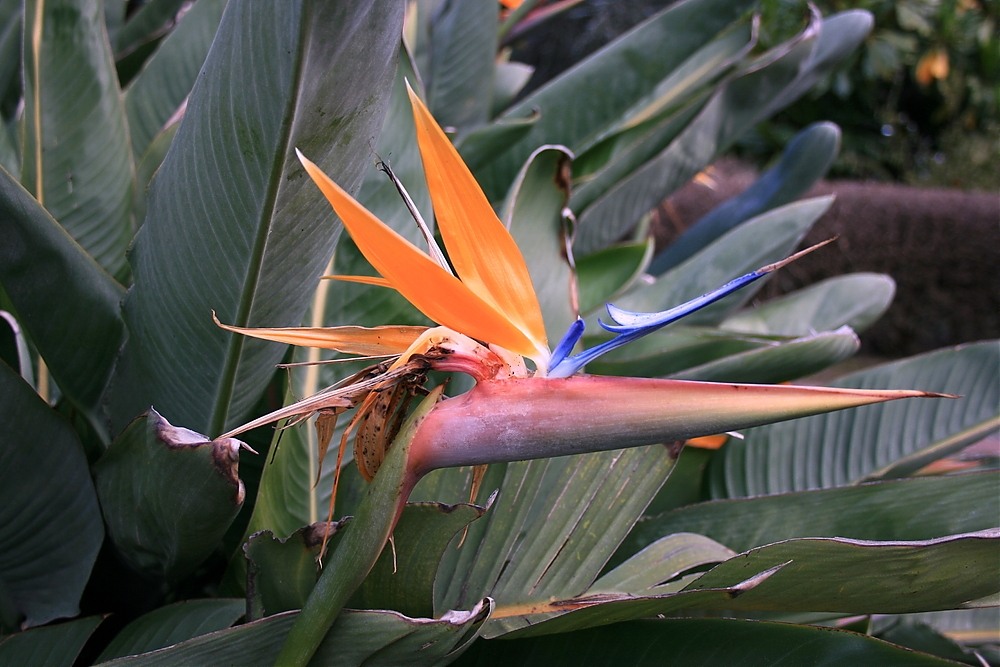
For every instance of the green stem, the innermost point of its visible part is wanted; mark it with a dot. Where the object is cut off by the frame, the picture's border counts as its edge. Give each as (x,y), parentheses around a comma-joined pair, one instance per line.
(360,547)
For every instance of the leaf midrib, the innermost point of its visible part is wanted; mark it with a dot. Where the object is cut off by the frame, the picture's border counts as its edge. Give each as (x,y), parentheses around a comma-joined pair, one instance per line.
(235,346)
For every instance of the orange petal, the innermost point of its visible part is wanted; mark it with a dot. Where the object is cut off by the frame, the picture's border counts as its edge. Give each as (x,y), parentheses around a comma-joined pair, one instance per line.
(377,281)
(364,341)
(481,249)
(707,441)
(436,293)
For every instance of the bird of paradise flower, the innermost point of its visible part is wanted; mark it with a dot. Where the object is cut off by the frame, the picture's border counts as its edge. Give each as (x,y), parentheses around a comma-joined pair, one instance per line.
(490,322)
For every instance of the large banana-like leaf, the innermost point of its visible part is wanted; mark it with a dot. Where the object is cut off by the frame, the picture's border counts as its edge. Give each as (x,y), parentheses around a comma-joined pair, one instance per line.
(173,624)
(912,509)
(358,637)
(76,157)
(606,273)
(168,495)
(552,528)
(959,634)
(875,441)
(463,47)
(774,80)
(52,528)
(855,300)
(234,225)
(780,361)
(52,646)
(705,642)
(80,331)
(11,32)
(284,571)
(834,575)
(655,121)
(159,89)
(145,26)
(611,82)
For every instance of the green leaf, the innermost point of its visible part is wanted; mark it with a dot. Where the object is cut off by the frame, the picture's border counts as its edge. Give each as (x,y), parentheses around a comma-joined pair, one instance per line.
(403,577)
(913,509)
(11,30)
(168,495)
(553,527)
(833,575)
(173,624)
(907,630)
(52,523)
(780,361)
(358,637)
(856,576)
(973,628)
(158,90)
(655,121)
(855,300)
(234,224)
(765,239)
(673,349)
(151,160)
(53,646)
(618,76)
(771,82)
(76,158)
(481,146)
(604,274)
(146,25)
(509,78)
(806,159)
(699,642)
(14,348)
(534,214)
(662,561)
(283,571)
(695,353)
(874,441)
(41,264)
(463,47)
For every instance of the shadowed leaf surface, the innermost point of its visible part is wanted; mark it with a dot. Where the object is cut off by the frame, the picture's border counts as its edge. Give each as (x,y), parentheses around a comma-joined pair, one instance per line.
(168,495)
(76,157)
(52,527)
(173,624)
(52,646)
(699,642)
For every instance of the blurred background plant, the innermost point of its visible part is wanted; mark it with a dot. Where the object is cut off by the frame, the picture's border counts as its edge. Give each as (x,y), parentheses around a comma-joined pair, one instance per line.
(149,178)
(918,102)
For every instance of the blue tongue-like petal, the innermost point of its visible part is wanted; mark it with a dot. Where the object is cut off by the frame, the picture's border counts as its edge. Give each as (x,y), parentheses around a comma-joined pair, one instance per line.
(630,325)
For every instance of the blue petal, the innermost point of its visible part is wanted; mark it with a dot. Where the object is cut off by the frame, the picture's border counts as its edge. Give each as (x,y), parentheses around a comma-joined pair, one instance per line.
(630,325)
(568,342)
(628,320)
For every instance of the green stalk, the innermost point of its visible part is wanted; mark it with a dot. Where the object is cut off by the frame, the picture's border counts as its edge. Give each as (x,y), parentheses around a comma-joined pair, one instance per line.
(360,547)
